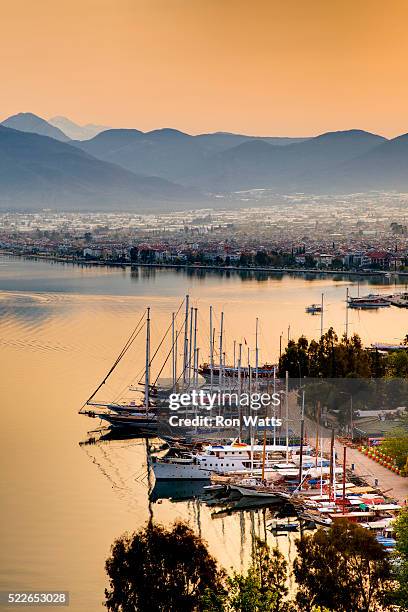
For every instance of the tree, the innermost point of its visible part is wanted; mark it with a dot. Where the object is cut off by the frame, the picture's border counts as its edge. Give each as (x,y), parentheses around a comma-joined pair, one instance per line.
(146,255)
(310,261)
(396,443)
(261,258)
(161,570)
(245,259)
(397,364)
(343,569)
(134,254)
(263,587)
(330,358)
(399,596)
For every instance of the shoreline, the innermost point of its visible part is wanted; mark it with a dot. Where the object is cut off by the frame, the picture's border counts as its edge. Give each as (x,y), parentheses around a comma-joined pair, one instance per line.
(205,267)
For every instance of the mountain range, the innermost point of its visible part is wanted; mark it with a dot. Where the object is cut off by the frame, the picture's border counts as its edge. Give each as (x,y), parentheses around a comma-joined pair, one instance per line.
(167,152)
(38,171)
(128,167)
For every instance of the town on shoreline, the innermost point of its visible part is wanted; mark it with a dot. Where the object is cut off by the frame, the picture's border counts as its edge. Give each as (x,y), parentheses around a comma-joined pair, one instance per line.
(356,235)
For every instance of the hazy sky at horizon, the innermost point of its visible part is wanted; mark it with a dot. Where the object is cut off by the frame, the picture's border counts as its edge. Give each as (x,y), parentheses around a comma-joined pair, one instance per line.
(262,67)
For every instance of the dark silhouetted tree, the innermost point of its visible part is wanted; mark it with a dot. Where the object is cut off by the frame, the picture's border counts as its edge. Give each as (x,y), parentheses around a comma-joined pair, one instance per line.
(134,254)
(332,358)
(343,569)
(160,570)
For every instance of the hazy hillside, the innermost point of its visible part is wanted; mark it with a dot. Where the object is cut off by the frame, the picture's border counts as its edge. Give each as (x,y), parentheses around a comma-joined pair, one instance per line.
(28,122)
(219,141)
(37,171)
(293,167)
(127,167)
(166,152)
(335,161)
(384,167)
(76,131)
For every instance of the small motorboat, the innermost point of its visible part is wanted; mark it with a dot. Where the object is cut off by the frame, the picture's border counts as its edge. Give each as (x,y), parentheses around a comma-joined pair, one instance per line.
(314,308)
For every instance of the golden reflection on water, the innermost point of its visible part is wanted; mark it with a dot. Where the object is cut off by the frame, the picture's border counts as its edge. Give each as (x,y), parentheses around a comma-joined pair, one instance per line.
(64,503)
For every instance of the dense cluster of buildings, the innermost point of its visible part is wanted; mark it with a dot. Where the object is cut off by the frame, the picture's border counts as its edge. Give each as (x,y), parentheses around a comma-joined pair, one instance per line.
(358,232)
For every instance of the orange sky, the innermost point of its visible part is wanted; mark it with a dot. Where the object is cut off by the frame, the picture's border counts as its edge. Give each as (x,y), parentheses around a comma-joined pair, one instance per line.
(287,67)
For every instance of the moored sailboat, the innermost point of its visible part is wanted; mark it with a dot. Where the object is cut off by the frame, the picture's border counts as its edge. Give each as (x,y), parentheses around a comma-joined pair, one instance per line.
(129,415)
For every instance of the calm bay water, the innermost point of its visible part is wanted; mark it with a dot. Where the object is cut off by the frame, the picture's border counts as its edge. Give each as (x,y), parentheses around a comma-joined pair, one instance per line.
(61,327)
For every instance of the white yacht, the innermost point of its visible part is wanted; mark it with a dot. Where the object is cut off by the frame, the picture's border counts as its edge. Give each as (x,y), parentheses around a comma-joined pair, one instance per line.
(236,457)
(184,466)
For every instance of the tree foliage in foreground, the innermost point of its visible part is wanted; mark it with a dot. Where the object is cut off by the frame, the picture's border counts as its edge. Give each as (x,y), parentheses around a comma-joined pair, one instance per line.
(396,443)
(343,569)
(159,570)
(263,587)
(399,596)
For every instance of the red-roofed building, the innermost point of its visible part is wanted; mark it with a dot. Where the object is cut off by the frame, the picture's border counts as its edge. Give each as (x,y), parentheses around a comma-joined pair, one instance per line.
(380,259)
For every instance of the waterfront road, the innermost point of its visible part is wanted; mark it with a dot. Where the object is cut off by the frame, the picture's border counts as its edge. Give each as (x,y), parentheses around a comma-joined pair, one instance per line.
(391,484)
(394,486)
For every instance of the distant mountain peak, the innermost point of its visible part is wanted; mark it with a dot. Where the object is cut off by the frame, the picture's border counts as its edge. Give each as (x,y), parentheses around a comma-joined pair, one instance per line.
(168,132)
(349,134)
(76,131)
(29,122)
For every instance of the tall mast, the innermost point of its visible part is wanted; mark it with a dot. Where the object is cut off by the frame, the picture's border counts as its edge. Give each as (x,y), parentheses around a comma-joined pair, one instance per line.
(287,415)
(211,348)
(190,344)
(302,429)
(147,371)
(347,308)
(195,346)
(256,352)
(263,454)
(175,353)
(252,448)
(331,474)
(196,367)
(221,341)
(239,392)
(317,429)
(249,370)
(344,476)
(274,409)
(321,316)
(173,350)
(321,466)
(185,351)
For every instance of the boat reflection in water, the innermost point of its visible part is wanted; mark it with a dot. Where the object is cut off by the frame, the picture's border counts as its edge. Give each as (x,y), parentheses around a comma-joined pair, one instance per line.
(224,500)
(178,490)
